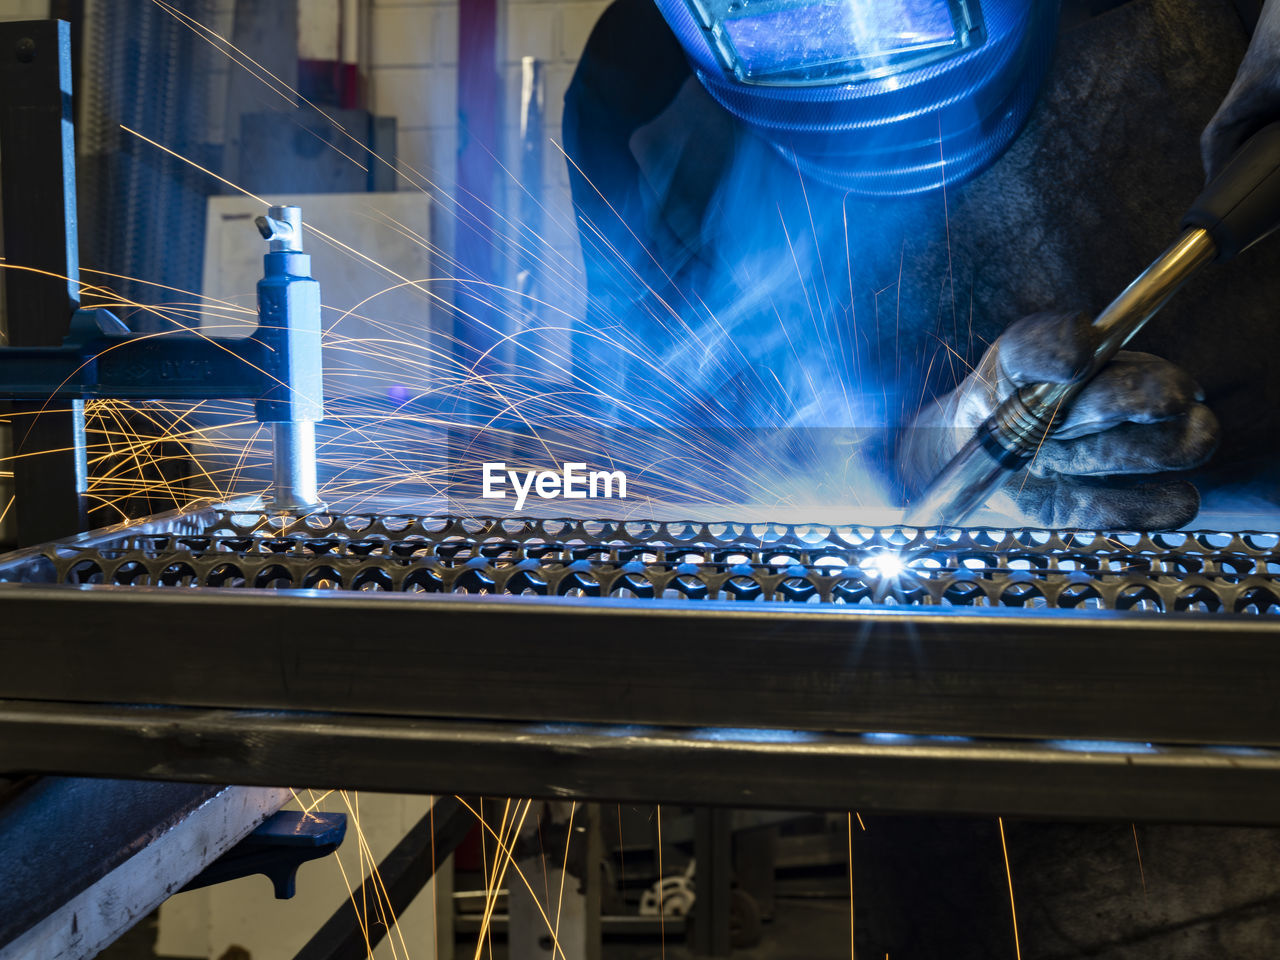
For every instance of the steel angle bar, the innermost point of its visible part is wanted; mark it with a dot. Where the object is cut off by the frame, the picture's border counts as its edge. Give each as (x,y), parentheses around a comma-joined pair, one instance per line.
(1001,673)
(716,766)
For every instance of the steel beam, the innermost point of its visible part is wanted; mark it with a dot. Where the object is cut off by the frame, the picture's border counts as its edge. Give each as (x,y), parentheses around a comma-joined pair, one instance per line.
(782,769)
(1191,678)
(398,879)
(713,848)
(121,849)
(38,194)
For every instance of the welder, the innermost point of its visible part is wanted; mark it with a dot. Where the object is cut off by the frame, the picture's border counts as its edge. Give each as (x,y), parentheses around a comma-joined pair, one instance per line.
(866,196)
(765,201)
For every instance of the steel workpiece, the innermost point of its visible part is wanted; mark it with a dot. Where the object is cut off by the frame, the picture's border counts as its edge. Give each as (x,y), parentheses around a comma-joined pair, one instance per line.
(937,670)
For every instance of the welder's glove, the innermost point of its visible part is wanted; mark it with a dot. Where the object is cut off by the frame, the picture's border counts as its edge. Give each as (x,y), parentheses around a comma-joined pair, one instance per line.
(1253,100)
(1140,417)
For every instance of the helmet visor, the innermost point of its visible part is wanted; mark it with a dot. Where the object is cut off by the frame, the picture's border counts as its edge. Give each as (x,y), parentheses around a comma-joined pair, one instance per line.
(810,42)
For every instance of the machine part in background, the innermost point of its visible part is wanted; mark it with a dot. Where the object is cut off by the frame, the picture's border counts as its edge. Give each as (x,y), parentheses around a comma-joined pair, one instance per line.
(562,845)
(1240,207)
(129,187)
(279,366)
(59,353)
(1170,572)
(276,849)
(37,177)
(672,895)
(863,104)
(284,153)
(289,321)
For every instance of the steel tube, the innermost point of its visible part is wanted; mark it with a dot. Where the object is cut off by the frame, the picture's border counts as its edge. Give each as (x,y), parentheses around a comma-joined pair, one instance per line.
(878,774)
(294,466)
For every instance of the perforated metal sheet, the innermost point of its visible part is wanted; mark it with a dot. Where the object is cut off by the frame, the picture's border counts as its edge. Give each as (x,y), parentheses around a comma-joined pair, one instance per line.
(770,563)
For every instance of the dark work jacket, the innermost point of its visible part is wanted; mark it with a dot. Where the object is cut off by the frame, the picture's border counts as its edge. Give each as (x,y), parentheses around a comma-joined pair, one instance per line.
(780,301)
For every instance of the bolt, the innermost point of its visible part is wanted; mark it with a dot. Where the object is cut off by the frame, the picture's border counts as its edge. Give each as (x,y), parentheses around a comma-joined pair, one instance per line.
(26,50)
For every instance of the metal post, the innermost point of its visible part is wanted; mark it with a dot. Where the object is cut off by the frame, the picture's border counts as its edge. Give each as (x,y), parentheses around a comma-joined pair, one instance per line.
(561,849)
(289,308)
(712,843)
(479,326)
(38,193)
(532,145)
(397,879)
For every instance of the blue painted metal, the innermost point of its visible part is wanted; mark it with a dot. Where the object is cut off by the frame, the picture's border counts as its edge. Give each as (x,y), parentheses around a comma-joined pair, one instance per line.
(276,849)
(289,327)
(278,365)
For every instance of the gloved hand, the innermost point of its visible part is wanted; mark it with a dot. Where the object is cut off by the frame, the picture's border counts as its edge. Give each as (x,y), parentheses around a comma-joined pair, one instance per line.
(1139,416)
(1253,100)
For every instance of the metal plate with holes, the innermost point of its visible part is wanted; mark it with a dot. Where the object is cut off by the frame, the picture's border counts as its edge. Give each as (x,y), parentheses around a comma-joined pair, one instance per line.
(766,562)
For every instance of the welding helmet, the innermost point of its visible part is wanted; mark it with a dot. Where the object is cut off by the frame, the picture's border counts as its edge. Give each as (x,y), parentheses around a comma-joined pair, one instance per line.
(879,97)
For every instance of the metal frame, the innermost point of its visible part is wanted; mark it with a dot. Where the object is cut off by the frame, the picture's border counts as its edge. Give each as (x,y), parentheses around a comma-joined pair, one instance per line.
(121,849)
(38,182)
(868,773)
(711,702)
(1000,673)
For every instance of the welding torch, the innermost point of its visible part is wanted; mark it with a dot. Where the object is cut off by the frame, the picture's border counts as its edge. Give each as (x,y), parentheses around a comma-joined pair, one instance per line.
(1239,207)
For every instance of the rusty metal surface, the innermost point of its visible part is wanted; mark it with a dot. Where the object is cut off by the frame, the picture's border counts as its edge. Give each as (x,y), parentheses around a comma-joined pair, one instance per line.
(1203,571)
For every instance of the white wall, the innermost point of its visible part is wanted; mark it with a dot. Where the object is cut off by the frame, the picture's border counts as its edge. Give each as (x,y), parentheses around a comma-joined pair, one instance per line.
(414,77)
(24,9)
(204,923)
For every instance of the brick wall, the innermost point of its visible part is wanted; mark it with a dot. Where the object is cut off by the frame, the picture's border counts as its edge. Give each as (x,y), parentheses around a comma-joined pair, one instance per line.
(414,77)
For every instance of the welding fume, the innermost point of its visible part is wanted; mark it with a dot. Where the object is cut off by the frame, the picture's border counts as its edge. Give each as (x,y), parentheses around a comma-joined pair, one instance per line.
(887,217)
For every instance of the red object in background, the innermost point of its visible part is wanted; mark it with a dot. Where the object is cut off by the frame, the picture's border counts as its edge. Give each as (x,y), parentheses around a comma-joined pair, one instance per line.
(479,144)
(469,855)
(331,83)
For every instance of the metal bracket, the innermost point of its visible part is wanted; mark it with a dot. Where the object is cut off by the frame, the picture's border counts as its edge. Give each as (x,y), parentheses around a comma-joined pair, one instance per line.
(276,849)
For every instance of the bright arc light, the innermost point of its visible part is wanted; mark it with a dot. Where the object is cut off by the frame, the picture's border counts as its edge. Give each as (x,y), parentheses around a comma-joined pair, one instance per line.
(887,565)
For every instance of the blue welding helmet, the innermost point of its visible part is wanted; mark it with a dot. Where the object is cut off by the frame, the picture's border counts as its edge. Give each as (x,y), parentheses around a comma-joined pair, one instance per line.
(880,97)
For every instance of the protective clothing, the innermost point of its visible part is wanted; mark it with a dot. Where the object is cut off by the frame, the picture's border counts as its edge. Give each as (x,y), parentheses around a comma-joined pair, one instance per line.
(828,302)
(879,97)
(1141,416)
(1253,100)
